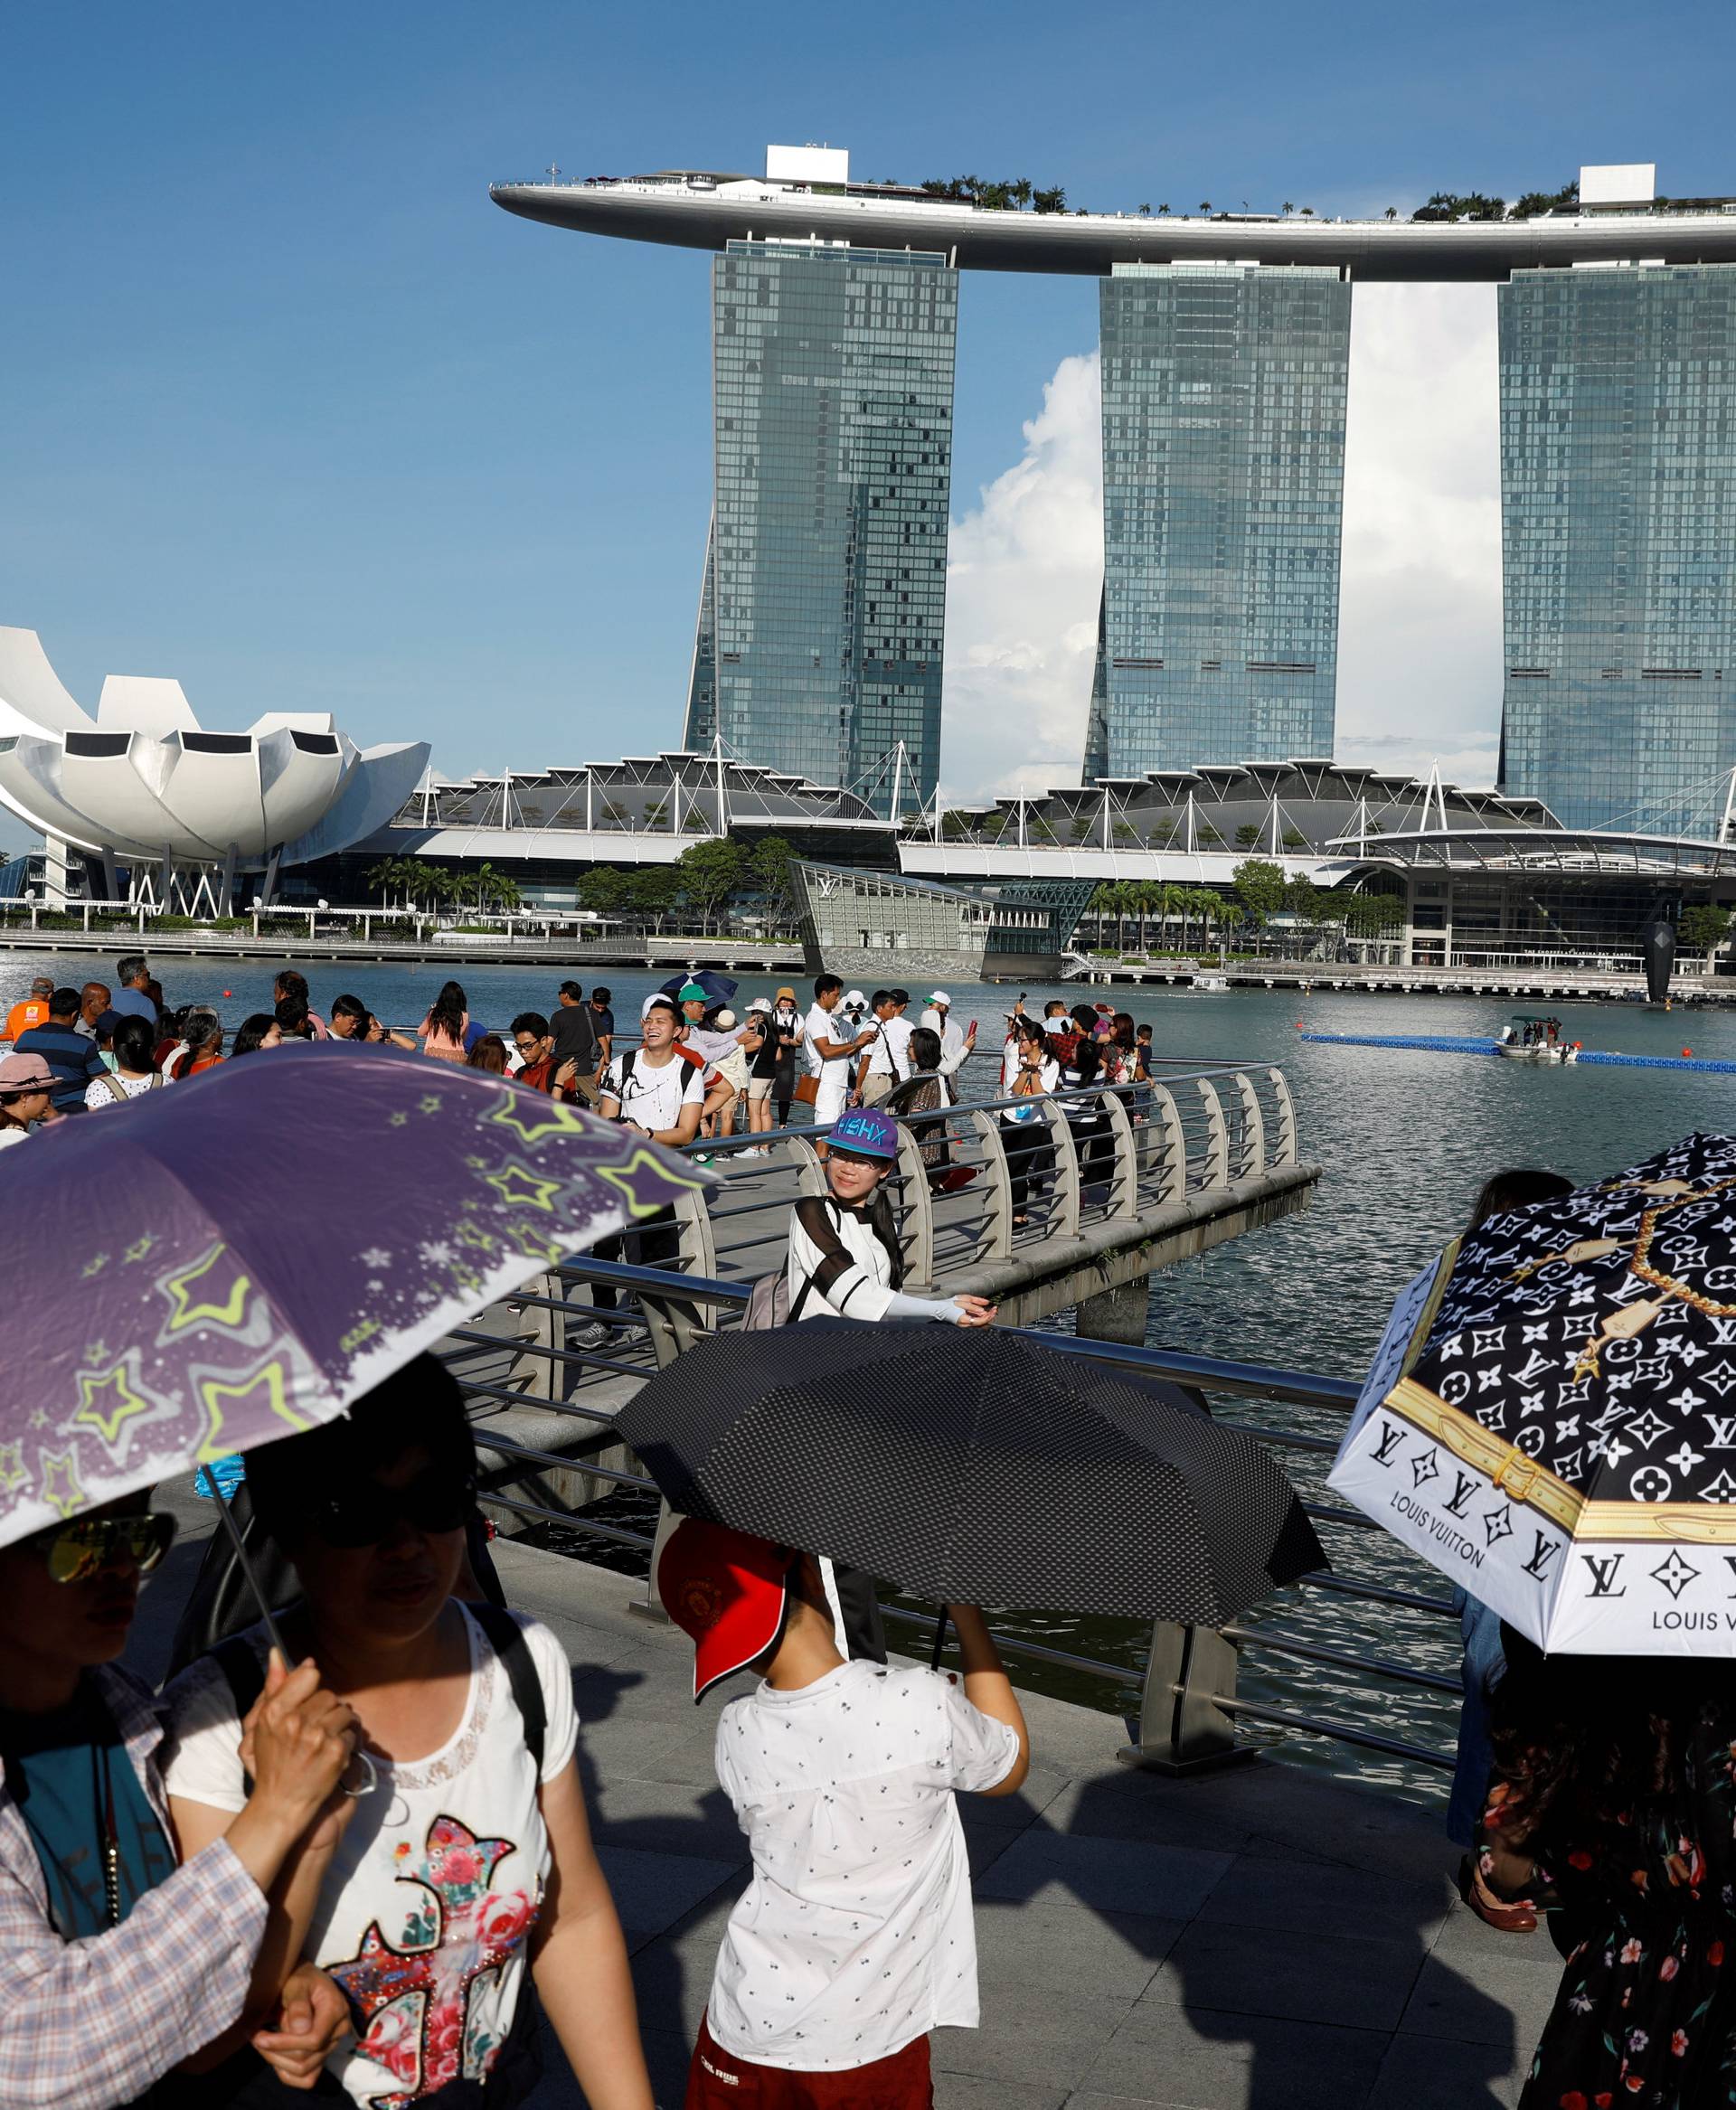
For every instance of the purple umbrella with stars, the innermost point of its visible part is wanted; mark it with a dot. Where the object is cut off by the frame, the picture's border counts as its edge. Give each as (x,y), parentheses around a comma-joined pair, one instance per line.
(217,1265)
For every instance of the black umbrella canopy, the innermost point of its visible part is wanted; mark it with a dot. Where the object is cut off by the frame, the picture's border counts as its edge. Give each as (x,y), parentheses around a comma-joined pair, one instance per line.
(974,1467)
(719,988)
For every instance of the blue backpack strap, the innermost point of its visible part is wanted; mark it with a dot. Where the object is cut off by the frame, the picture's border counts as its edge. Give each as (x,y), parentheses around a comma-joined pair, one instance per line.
(507,1638)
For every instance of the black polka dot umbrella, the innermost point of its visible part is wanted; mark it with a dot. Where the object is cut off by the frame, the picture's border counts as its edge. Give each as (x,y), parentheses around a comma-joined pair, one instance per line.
(974,1467)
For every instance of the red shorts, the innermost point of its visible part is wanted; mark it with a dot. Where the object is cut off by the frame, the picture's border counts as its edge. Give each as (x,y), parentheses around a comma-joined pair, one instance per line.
(719,2080)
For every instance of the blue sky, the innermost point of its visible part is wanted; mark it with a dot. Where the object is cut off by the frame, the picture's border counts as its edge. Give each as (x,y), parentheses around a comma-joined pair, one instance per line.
(292,411)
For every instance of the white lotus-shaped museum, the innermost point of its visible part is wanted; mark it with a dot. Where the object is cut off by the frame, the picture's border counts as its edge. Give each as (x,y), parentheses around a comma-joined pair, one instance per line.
(143,783)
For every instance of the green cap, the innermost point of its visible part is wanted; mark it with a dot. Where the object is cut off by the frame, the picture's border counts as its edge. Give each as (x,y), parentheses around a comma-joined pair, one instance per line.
(691,992)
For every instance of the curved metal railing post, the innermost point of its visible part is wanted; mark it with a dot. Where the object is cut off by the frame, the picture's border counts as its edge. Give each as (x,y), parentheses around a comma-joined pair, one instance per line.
(916,1211)
(807,1162)
(996,1240)
(1063,1212)
(674,1324)
(543,1326)
(1284,1141)
(1253,1128)
(1123,1202)
(1215,1170)
(1167,1142)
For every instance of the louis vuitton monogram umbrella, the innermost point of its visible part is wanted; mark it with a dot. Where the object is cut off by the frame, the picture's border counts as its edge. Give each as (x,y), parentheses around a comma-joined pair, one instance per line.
(1564,1442)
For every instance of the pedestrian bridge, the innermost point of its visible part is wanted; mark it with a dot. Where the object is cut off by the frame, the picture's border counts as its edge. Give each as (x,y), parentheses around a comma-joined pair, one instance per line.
(1167,1171)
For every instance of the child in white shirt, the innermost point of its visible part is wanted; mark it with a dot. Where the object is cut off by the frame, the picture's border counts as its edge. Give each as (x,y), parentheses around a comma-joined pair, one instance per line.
(854,1938)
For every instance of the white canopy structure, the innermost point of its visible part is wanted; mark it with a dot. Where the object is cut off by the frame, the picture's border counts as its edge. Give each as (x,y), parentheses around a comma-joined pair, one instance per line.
(141,784)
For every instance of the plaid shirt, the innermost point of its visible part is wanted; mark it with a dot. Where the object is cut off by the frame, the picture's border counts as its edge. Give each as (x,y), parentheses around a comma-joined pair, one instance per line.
(90,2024)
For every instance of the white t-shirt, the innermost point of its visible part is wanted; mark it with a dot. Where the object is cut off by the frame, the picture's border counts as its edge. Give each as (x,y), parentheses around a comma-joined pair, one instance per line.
(436,1883)
(114,1088)
(889,1056)
(856,1934)
(652,1096)
(821,1024)
(1048,1079)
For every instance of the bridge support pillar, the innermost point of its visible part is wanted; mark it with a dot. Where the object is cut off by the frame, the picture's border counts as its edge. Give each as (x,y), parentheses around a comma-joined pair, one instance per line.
(1117,1314)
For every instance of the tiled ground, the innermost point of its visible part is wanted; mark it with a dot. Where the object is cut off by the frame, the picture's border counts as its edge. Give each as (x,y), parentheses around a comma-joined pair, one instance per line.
(1261,1940)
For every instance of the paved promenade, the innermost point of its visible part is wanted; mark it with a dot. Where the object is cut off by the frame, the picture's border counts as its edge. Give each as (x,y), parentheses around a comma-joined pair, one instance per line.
(1264,1939)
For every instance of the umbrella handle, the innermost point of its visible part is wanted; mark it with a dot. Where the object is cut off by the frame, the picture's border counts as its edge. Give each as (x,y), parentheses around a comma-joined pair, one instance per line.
(939,1640)
(252,1580)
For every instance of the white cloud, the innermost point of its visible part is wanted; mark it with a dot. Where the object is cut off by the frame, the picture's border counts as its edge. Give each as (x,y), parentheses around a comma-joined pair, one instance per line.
(1023,575)
(1420,614)
(1419,633)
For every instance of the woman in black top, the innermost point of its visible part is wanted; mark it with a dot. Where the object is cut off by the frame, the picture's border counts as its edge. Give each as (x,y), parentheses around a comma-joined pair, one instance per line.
(771,1069)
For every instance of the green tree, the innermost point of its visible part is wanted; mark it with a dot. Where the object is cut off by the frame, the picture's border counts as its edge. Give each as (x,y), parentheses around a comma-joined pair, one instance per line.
(606,891)
(653,892)
(1247,834)
(710,872)
(1052,200)
(768,863)
(1703,929)
(1294,839)
(1303,897)
(1259,886)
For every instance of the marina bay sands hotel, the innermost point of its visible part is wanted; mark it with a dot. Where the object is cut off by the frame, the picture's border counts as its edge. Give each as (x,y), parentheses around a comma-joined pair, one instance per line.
(1225,347)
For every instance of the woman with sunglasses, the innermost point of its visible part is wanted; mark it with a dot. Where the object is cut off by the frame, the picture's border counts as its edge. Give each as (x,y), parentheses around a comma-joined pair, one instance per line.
(115,1963)
(466,1857)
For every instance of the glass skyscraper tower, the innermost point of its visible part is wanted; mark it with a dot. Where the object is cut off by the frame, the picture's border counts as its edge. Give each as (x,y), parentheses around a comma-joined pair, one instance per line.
(1618,543)
(822,609)
(1224,461)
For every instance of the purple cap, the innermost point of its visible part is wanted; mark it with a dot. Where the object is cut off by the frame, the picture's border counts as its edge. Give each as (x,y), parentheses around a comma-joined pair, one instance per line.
(866,1132)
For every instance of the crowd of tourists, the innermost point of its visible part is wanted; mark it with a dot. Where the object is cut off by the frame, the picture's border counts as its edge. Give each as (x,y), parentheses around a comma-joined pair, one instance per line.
(201,1891)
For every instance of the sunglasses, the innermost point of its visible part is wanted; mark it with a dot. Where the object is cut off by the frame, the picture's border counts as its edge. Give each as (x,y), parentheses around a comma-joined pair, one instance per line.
(433,1501)
(79,1551)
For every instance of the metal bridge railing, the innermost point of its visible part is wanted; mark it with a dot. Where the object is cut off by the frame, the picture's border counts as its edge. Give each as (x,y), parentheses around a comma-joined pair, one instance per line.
(1189,1703)
(1107,1153)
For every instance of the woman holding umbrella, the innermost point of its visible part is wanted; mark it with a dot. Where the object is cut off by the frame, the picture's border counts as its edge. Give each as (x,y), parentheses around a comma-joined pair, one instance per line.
(115,1965)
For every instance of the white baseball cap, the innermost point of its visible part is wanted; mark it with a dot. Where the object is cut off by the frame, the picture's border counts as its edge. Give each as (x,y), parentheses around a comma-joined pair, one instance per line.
(856,996)
(941,996)
(657,1001)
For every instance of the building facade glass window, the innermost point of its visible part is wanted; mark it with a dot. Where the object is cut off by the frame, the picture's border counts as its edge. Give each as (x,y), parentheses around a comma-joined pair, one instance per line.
(820,644)
(1618,521)
(1224,461)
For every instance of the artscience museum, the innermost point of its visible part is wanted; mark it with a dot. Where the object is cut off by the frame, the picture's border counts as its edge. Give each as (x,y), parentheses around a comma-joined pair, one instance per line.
(142,802)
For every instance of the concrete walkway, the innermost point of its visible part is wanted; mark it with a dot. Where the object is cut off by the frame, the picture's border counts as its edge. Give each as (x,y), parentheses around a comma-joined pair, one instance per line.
(1264,1939)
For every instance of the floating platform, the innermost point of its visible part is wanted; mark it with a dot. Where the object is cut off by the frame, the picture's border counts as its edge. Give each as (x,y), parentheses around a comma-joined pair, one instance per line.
(1485,1044)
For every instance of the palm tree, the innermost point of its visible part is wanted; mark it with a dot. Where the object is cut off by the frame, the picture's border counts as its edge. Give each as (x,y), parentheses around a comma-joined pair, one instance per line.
(1288,206)
(1163,208)
(1020,192)
(1144,212)
(1205,204)
(1391,212)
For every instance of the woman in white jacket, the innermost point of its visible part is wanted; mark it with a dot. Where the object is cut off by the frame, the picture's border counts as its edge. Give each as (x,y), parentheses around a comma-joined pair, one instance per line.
(844,1258)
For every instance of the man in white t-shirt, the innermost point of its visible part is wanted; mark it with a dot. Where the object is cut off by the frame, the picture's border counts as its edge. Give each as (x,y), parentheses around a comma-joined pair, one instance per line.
(889,1054)
(658,1094)
(856,1937)
(831,1051)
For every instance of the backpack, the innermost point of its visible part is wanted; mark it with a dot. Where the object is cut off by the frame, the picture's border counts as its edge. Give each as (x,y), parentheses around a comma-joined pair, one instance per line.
(239,1663)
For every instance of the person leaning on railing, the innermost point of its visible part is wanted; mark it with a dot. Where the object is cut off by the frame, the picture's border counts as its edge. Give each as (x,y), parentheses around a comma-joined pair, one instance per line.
(844,1260)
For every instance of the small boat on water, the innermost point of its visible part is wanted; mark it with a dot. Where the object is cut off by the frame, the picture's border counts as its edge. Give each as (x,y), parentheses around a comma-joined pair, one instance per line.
(1535,1039)
(1211,982)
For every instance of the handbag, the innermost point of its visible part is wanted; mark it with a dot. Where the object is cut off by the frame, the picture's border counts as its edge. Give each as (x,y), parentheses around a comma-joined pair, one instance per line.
(807,1088)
